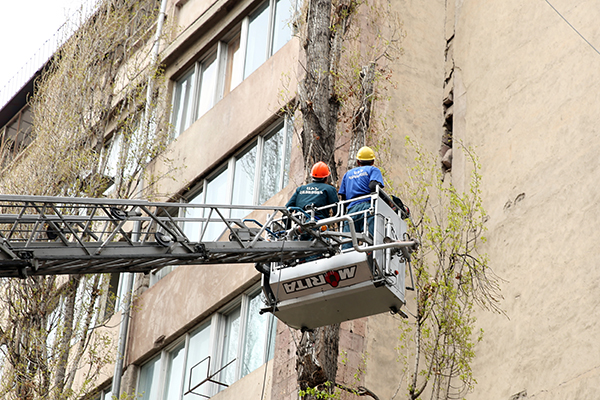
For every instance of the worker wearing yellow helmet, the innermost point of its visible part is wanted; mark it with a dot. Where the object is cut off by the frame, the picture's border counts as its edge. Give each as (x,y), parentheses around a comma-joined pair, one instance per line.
(358,182)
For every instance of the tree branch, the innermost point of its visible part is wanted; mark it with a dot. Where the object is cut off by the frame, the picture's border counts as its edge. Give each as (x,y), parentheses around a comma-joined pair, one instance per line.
(359,391)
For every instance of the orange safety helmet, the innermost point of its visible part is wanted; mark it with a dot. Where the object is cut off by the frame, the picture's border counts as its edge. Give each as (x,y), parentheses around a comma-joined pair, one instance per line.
(320,170)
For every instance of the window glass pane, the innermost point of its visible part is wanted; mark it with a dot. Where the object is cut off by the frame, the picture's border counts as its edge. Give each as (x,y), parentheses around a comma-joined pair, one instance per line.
(208,85)
(230,346)
(243,181)
(282,31)
(258,34)
(175,373)
(108,394)
(216,193)
(199,349)
(193,229)
(235,64)
(113,152)
(257,337)
(182,103)
(148,383)
(274,158)
(122,291)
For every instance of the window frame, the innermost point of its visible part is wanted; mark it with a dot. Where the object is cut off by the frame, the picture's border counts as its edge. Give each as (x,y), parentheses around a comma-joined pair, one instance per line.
(176,101)
(166,362)
(104,394)
(222,60)
(157,358)
(287,126)
(217,323)
(284,124)
(212,55)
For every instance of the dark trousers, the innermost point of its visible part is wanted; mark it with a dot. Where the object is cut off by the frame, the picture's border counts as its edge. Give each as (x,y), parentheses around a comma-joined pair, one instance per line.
(359,220)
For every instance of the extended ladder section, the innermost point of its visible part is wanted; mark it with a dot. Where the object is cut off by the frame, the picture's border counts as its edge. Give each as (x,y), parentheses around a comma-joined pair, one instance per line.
(57,235)
(316,272)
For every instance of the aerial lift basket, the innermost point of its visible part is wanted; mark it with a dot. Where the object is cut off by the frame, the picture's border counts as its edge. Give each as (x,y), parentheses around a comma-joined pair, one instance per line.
(365,280)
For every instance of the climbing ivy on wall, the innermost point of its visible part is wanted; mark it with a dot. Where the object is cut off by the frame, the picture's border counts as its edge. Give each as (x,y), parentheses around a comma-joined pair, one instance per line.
(452,277)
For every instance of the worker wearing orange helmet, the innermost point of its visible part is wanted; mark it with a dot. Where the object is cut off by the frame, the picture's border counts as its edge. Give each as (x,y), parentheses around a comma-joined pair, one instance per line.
(360,181)
(317,194)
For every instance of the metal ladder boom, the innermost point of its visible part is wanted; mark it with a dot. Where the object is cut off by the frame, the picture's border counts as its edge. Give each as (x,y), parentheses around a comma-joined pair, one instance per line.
(43,235)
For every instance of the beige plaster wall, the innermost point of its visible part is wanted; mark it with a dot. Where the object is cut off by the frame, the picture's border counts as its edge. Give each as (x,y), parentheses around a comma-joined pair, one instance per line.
(385,362)
(415,110)
(182,299)
(256,385)
(186,12)
(415,106)
(526,95)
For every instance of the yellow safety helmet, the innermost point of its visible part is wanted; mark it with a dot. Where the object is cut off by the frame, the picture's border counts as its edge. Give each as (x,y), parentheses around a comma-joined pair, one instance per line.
(365,154)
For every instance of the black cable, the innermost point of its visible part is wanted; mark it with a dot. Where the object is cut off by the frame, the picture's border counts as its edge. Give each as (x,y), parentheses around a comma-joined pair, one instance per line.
(572,27)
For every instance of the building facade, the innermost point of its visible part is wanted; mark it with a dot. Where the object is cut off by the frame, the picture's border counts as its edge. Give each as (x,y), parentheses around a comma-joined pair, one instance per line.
(516,81)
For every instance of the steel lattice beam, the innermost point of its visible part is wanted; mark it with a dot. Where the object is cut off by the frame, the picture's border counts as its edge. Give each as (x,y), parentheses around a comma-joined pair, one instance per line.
(54,235)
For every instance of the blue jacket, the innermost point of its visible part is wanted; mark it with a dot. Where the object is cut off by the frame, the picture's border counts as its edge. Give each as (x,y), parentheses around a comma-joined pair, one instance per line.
(355,182)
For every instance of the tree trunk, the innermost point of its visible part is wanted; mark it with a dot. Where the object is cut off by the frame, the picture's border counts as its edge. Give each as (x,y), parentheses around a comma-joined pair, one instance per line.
(316,361)
(362,116)
(317,353)
(67,334)
(314,92)
(85,332)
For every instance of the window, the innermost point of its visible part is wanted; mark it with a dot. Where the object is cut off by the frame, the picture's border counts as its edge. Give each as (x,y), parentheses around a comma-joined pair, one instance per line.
(208,85)
(268,30)
(105,394)
(182,102)
(117,289)
(244,177)
(148,383)
(275,158)
(238,336)
(258,37)
(17,134)
(282,31)
(259,332)
(112,302)
(233,64)
(251,177)
(122,153)
(113,161)
(237,55)
(248,339)
(175,372)
(192,229)
(217,192)
(231,338)
(197,362)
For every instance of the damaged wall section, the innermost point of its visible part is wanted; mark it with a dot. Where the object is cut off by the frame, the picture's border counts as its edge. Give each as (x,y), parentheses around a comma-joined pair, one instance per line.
(448,98)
